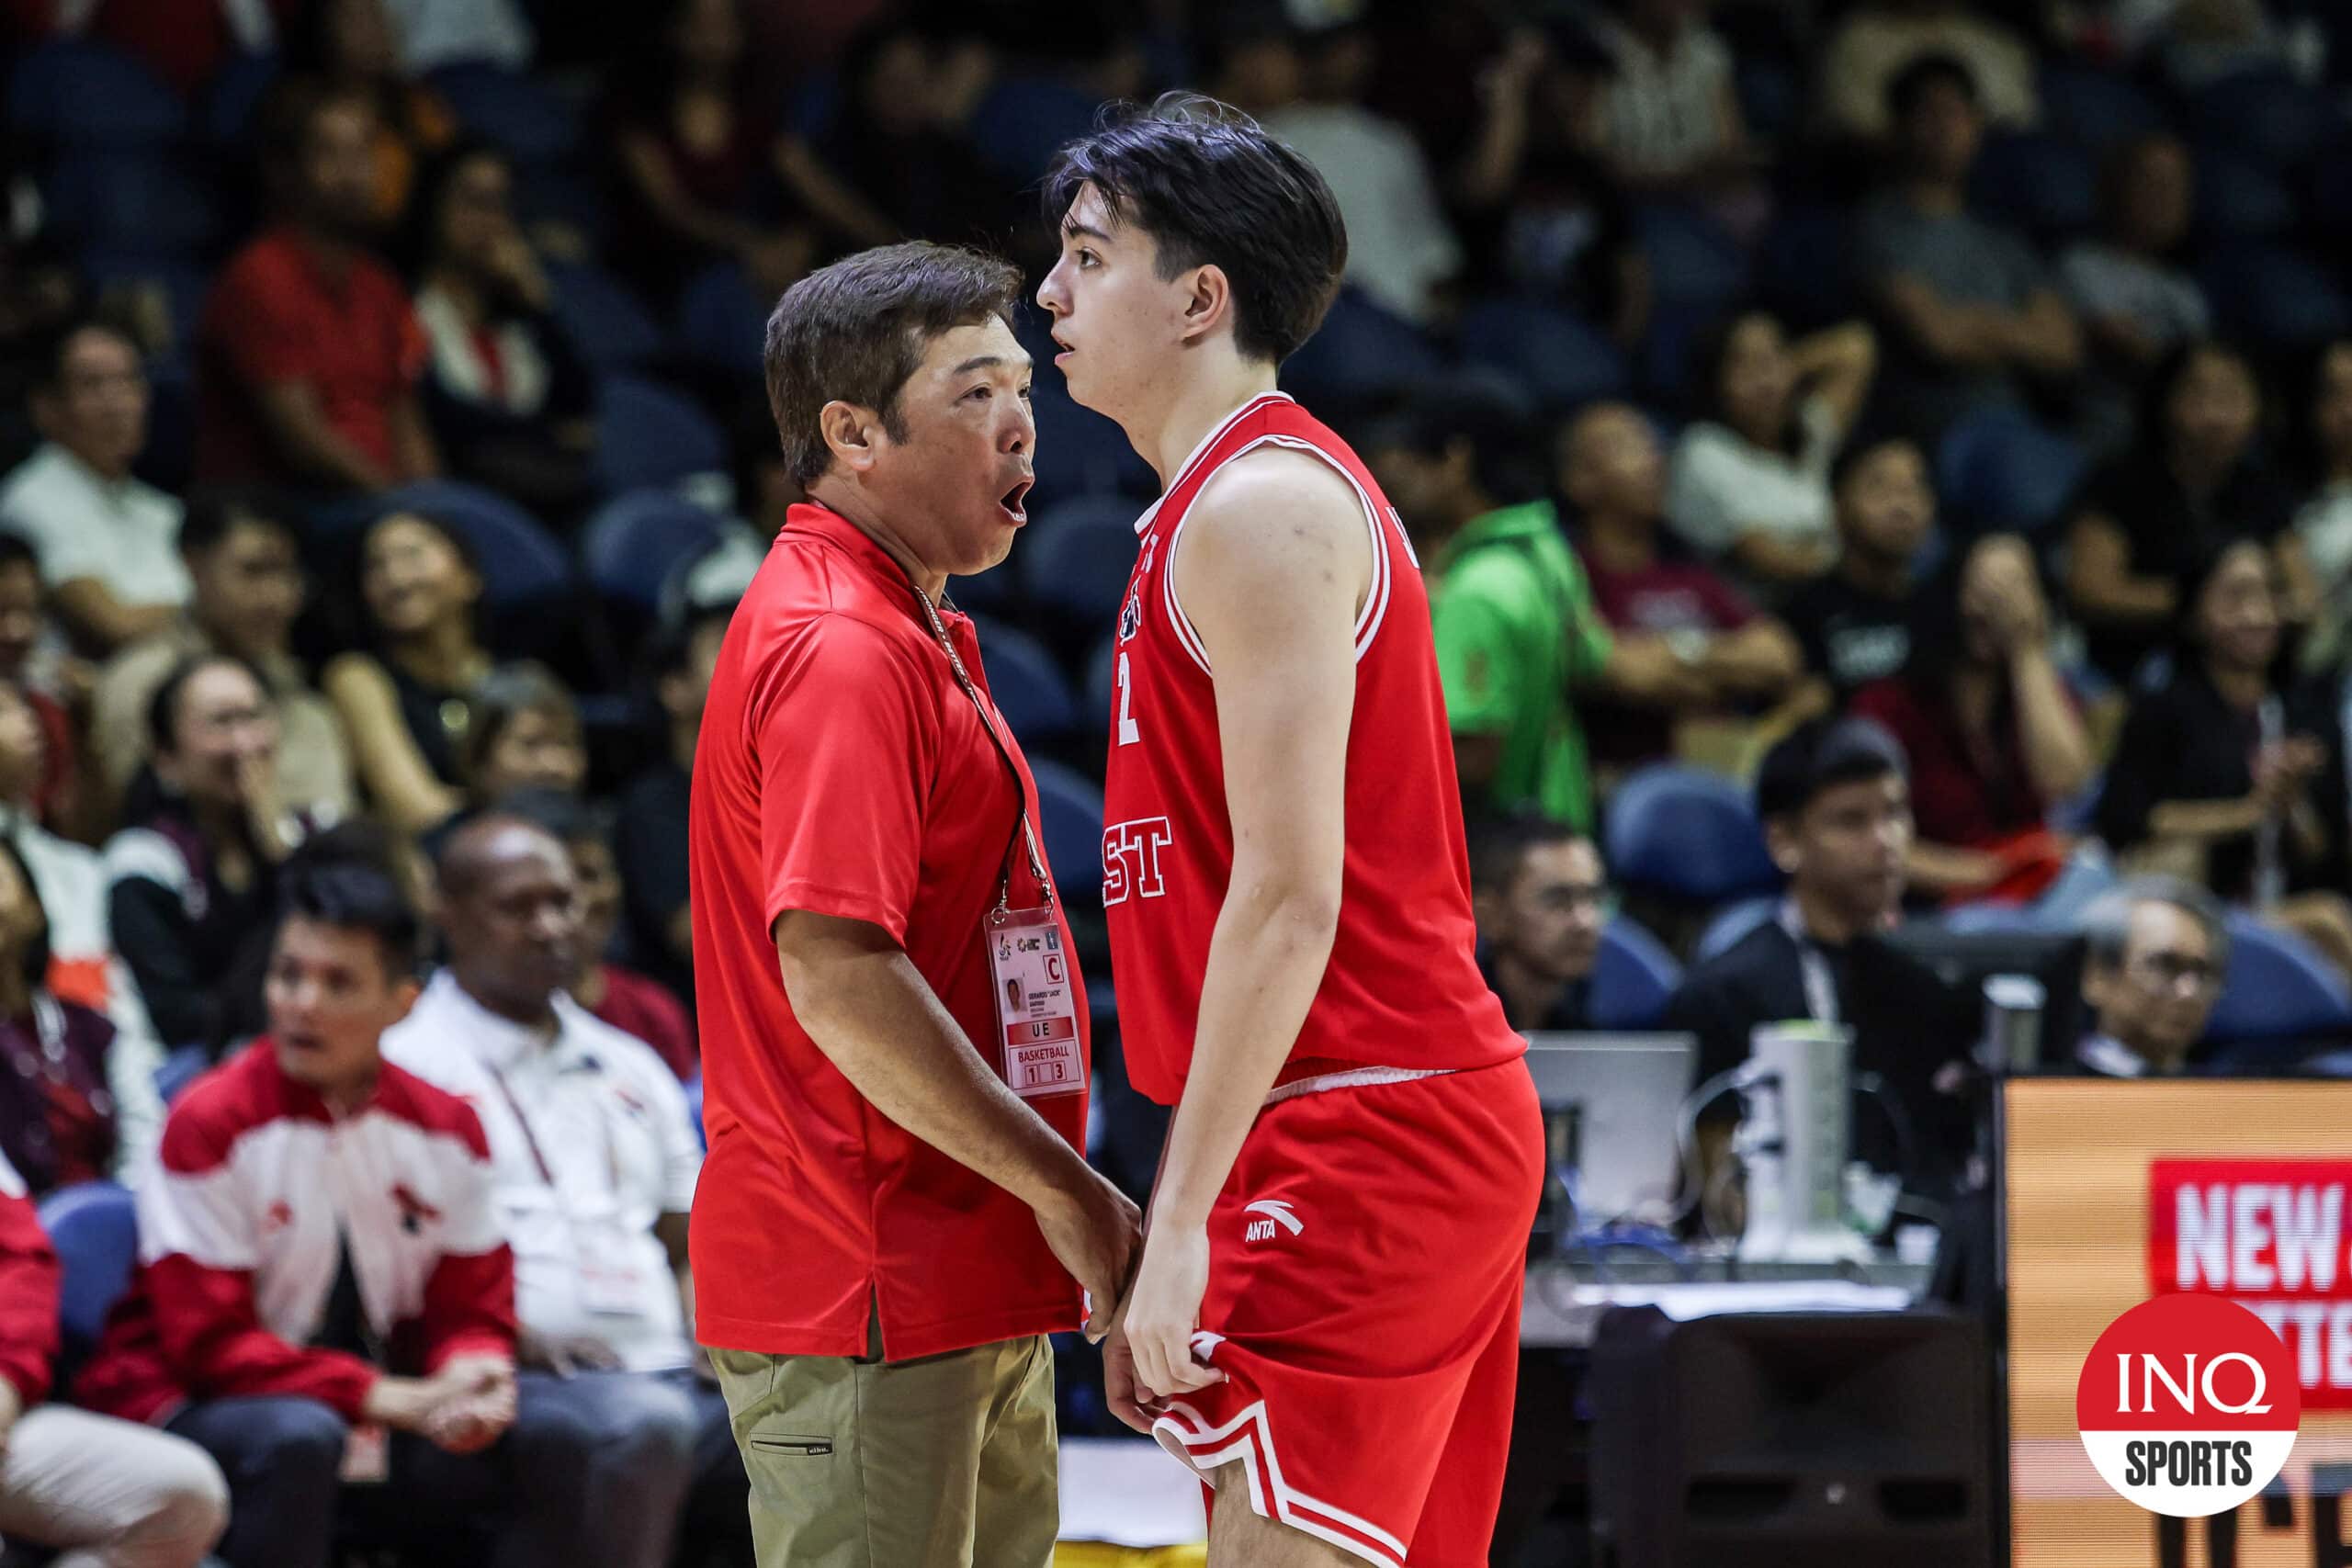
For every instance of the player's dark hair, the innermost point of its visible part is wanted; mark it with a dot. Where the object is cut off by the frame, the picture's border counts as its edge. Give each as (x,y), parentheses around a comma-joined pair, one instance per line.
(1866,443)
(506,694)
(1912,83)
(854,332)
(51,348)
(213,514)
(1214,189)
(1820,756)
(1498,845)
(346,879)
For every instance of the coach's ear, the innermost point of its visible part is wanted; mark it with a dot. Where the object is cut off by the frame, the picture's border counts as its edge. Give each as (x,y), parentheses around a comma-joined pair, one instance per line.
(852,433)
(1209,305)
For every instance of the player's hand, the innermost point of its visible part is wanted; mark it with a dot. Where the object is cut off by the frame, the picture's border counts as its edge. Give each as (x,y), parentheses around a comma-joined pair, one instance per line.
(1119,1387)
(1164,1309)
(1093,1228)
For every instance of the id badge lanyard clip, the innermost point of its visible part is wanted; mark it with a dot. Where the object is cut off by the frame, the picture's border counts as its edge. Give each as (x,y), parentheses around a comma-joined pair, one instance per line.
(1036,1003)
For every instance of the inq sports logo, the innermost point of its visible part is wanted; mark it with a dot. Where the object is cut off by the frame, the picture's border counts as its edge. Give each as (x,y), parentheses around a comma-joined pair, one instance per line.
(2187,1404)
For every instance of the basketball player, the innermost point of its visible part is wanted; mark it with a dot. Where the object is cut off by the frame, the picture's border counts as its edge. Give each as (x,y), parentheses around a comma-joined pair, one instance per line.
(1324,1324)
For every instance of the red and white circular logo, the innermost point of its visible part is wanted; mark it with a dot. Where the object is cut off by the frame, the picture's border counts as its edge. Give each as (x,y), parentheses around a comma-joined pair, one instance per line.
(2187,1404)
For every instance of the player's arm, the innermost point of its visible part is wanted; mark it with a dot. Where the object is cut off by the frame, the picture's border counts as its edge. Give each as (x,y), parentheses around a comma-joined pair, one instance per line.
(1274,561)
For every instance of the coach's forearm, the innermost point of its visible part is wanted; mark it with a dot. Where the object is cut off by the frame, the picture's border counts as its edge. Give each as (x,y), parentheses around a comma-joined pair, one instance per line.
(875,1017)
(1266,961)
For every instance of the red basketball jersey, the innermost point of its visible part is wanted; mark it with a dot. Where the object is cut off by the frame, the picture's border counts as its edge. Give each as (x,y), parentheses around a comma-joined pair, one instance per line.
(1403,990)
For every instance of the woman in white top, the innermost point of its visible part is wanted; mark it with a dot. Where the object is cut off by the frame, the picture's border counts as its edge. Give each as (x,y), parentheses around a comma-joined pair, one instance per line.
(1751,477)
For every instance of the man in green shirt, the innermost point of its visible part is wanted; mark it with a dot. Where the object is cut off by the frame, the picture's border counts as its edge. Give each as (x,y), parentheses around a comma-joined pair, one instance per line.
(1518,635)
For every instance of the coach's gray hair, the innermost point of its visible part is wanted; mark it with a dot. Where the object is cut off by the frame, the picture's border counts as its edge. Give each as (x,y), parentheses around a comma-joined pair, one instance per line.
(2106,924)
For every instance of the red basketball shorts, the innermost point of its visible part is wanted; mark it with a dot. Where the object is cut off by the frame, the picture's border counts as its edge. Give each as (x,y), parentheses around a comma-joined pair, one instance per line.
(1365,1263)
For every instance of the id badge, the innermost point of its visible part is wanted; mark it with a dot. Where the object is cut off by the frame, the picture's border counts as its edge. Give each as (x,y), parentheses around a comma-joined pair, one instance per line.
(1037,1005)
(610,1284)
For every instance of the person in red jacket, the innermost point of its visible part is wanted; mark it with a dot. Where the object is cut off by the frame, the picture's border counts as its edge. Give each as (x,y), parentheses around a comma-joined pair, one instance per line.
(323,1291)
(109,1493)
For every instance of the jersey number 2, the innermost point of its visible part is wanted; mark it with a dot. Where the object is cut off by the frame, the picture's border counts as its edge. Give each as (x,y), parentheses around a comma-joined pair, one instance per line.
(1129,733)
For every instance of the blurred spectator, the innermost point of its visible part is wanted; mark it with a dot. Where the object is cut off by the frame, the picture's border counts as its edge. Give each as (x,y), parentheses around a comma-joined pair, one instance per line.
(2194,482)
(409,705)
(460,32)
(1837,816)
(707,161)
(1518,639)
(55,797)
(1542,900)
(2222,777)
(1855,623)
(292,1287)
(1401,247)
(1751,479)
(102,1492)
(242,557)
(308,355)
(184,44)
(511,402)
(638,1006)
(2200,42)
(352,47)
(70,880)
(593,1161)
(764,491)
(2156,952)
(104,538)
(524,735)
(1542,218)
(2323,524)
(1612,472)
(2136,301)
(1968,307)
(57,1118)
(192,875)
(1993,736)
(650,839)
(1881,39)
(1668,121)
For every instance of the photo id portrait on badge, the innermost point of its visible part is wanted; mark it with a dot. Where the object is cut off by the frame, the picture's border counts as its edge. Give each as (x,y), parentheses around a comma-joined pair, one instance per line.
(1037,1005)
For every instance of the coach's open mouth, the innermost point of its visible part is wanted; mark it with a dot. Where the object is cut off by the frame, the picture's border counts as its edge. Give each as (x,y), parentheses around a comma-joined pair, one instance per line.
(1013,498)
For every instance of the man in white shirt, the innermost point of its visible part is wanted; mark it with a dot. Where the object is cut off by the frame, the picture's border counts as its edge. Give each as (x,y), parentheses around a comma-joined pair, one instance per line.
(594,1160)
(109,544)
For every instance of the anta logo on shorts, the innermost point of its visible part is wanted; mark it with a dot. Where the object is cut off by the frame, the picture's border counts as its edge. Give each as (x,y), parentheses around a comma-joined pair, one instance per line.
(1277,1217)
(1131,859)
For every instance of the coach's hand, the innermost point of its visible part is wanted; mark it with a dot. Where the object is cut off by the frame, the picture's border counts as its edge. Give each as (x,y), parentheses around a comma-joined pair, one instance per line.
(1165,1308)
(1094,1229)
(1128,1399)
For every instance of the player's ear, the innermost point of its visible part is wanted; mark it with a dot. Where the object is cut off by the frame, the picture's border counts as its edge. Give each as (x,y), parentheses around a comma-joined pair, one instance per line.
(1210,304)
(848,430)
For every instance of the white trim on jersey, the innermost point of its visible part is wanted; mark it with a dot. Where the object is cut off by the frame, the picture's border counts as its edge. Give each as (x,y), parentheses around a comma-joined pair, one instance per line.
(1351,1077)
(1250,1438)
(1184,469)
(1376,599)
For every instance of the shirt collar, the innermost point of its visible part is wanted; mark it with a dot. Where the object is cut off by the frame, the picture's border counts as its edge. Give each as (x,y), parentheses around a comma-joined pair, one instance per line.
(499,1043)
(2109,1057)
(113,490)
(809,519)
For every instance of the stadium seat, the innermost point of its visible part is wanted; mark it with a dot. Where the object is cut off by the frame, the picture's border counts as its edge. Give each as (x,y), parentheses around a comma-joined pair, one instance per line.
(2000,469)
(72,93)
(2238,196)
(635,541)
(1080,452)
(1802,271)
(609,324)
(1101,684)
(1076,559)
(146,200)
(183,1066)
(512,110)
(1071,829)
(2042,183)
(94,1227)
(721,321)
(990,592)
(233,97)
(523,566)
(1359,355)
(1732,923)
(2331,188)
(1694,260)
(1020,121)
(2277,297)
(2277,989)
(1690,835)
(649,437)
(2266,114)
(2095,110)
(1632,977)
(1027,686)
(1559,357)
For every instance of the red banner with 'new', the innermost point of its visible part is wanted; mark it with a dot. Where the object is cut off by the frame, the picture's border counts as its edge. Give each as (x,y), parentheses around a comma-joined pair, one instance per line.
(2271,1236)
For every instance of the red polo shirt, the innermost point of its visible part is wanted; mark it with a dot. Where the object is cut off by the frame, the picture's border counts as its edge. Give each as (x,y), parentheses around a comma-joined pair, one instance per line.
(277,314)
(843,771)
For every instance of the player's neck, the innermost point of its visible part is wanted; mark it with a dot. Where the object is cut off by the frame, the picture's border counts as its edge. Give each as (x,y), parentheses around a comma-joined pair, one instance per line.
(1199,404)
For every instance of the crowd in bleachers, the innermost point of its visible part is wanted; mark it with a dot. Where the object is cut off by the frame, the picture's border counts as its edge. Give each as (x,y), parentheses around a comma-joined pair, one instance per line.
(381,435)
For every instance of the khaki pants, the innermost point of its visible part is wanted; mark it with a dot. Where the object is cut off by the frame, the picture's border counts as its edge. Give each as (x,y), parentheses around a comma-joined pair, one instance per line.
(948,1462)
